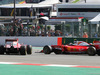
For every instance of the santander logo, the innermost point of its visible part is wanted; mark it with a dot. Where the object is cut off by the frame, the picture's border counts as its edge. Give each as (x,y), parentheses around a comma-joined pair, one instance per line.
(79,14)
(61,14)
(64,14)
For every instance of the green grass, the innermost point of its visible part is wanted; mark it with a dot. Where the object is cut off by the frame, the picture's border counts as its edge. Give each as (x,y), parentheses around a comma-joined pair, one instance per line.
(45,70)
(75,1)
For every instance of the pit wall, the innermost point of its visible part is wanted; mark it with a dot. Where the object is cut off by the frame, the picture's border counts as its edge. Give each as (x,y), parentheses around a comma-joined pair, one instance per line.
(34,41)
(42,41)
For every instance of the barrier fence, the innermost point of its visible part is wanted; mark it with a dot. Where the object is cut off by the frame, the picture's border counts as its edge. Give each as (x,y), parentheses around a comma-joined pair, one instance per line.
(68,29)
(71,40)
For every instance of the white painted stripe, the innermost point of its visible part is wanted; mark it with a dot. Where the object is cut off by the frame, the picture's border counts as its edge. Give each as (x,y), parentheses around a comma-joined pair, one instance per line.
(8,62)
(16,63)
(62,65)
(41,65)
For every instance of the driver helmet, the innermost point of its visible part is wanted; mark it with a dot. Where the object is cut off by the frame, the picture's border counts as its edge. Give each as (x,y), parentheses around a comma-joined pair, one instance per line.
(75,41)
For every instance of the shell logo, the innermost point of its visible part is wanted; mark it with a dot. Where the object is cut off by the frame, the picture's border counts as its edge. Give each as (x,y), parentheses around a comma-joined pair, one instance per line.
(69,49)
(74,49)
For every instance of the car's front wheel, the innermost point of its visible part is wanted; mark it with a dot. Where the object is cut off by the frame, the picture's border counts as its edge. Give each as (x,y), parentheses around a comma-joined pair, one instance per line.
(91,51)
(47,49)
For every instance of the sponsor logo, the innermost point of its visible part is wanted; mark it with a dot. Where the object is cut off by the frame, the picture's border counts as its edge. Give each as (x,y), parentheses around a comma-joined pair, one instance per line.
(74,49)
(61,14)
(69,49)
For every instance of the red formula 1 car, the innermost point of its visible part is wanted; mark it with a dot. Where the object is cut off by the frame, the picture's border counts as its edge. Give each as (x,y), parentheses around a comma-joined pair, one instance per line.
(79,47)
(12,46)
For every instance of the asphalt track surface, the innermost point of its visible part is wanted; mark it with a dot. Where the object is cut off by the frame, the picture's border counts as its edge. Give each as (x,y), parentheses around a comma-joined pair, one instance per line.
(40,58)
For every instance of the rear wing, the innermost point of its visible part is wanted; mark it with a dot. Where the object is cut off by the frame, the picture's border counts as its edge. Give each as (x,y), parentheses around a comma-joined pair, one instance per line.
(11,40)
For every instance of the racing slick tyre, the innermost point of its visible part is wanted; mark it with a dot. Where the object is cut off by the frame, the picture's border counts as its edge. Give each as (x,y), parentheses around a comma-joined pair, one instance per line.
(29,49)
(91,51)
(7,52)
(98,52)
(23,50)
(47,49)
(56,51)
(1,49)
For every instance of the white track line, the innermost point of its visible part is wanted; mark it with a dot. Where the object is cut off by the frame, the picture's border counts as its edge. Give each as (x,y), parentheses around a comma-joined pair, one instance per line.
(52,65)
(8,62)
(62,65)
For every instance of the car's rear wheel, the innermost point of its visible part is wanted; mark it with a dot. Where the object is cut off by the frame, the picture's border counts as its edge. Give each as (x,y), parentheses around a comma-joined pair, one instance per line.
(23,50)
(29,49)
(91,51)
(98,52)
(1,49)
(8,53)
(57,51)
(47,49)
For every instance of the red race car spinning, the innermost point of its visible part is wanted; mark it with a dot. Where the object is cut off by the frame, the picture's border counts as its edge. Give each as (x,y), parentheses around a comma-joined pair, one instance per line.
(77,47)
